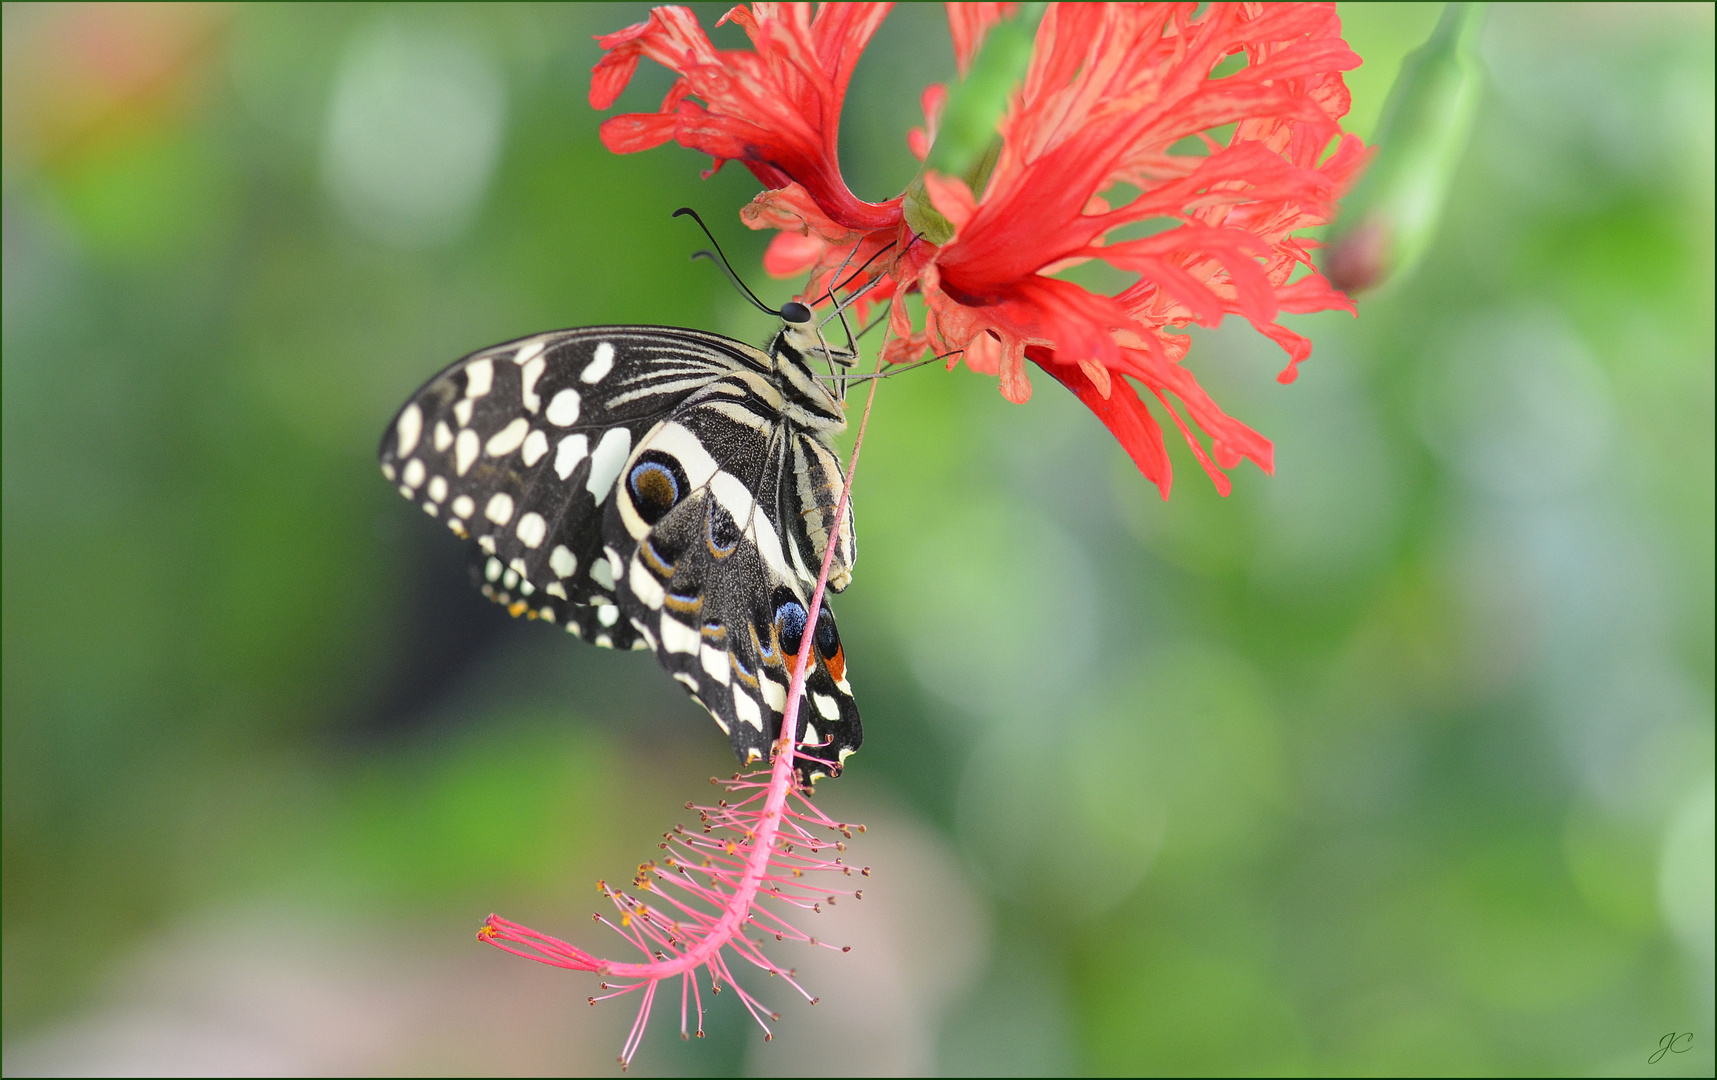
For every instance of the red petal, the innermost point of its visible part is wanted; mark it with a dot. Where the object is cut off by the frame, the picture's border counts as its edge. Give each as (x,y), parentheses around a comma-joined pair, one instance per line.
(790,253)
(1297,347)
(1217,476)
(776,108)
(629,133)
(968,23)
(611,75)
(1122,413)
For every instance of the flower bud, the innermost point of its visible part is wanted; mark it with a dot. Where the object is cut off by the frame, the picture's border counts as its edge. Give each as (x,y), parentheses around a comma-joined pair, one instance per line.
(967,144)
(1389,219)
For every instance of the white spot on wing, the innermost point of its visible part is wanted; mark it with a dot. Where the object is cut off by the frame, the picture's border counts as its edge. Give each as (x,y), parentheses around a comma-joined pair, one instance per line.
(563,408)
(438,488)
(387,471)
(529,351)
(747,709)
(602,573)
(562,561)
(645,586)
(811,737)
(677,637)
(607,460)
(479,377)
(413,475)
(492,569)
(462,411)
(774,693)
(443,436)
(554,588)
(689,682)
(827,706)
(500,508)
(572,450)
(600,366)
(536,445)
(509,438)
(715,662)
(464,507)
(607,614)
(531,529)
(465,451)
(533,371)
(408,429)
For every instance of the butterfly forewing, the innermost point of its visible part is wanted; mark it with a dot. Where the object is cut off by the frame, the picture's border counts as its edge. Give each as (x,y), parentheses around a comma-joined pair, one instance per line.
(646,487)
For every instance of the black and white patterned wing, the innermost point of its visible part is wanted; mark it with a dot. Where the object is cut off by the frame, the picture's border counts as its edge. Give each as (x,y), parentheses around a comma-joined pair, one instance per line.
(708,529)
(518,446)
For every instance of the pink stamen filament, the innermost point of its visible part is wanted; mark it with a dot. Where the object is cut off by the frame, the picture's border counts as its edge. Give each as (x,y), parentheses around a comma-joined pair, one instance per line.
(735,870)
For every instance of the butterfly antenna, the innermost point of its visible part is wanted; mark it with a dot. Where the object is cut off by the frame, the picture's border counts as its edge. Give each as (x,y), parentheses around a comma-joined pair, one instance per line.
(719,257)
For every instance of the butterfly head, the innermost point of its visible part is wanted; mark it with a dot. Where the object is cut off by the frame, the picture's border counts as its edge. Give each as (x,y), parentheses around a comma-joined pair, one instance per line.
(804,339)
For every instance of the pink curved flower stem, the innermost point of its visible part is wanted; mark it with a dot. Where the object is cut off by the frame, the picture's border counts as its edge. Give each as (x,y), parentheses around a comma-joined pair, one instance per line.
(737,909)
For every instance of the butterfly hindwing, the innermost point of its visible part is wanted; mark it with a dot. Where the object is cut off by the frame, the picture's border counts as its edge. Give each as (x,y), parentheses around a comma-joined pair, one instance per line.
(712,573)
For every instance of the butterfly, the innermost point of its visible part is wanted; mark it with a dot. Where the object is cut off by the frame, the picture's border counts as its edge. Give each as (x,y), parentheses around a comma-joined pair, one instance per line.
(652,487)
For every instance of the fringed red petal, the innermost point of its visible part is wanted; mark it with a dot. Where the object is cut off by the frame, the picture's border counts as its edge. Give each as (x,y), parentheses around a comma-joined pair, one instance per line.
(1122,413)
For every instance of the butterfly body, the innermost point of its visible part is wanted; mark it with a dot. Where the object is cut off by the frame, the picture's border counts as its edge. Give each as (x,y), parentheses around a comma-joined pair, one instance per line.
(653,487)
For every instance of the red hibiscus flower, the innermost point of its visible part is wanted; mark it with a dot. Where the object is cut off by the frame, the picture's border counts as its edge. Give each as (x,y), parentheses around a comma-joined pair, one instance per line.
(1119,125)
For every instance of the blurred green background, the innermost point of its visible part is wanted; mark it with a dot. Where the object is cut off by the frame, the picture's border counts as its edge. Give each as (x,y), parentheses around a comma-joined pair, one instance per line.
(1397,762)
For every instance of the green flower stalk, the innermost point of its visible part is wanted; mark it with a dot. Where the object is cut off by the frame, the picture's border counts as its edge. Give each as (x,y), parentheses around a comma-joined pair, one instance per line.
(1389,219)
(967,144)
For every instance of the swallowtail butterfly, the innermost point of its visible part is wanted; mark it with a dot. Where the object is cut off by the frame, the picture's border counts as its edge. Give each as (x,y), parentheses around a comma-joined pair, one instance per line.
(650,487)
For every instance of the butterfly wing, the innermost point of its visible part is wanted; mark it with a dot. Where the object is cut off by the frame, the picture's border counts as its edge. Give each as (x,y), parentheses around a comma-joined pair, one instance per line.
(518,446)
(706,524)
(533,449)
